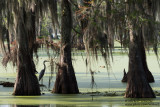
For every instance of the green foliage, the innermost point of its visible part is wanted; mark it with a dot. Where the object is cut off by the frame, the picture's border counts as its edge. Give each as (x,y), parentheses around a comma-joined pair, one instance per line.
(45,26)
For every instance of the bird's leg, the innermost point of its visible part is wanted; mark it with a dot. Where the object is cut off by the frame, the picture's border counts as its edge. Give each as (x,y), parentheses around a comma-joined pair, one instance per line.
(42,83)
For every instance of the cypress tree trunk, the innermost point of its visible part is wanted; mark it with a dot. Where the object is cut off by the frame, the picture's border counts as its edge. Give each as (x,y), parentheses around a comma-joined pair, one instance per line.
(26,82)
(66,82)
(131,7)
(148,74)
(32,37)
(137,84)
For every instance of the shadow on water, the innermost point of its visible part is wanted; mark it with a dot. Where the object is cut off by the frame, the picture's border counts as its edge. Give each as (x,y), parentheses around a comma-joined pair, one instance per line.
(46,105)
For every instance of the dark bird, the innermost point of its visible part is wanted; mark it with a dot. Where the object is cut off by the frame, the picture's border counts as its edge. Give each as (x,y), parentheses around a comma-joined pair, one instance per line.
(42,71)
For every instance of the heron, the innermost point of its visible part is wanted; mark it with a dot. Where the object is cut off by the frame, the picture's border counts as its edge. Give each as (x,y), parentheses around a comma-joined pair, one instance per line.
(42,71)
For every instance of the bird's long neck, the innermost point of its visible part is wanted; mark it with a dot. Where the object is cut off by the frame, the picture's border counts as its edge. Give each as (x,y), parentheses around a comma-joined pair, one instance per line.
(44,65)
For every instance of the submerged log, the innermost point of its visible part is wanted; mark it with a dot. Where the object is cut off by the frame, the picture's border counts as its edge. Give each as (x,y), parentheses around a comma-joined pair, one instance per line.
(124,79)
(7,84)
(10,84)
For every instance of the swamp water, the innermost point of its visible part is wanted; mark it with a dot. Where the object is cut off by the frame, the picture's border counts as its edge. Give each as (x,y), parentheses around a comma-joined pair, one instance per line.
(108,90)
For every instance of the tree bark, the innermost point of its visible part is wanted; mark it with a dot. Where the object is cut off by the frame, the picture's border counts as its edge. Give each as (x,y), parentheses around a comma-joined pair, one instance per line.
(26,82)
(131,7)
(149,75)
(66,82)
(137,84)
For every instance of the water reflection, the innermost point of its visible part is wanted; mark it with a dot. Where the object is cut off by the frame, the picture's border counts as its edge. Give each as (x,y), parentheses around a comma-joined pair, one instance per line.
(28,106)
(47,105)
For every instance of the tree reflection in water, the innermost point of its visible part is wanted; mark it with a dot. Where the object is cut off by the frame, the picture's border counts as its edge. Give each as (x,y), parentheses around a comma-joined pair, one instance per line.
(28,106)
(47,105)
